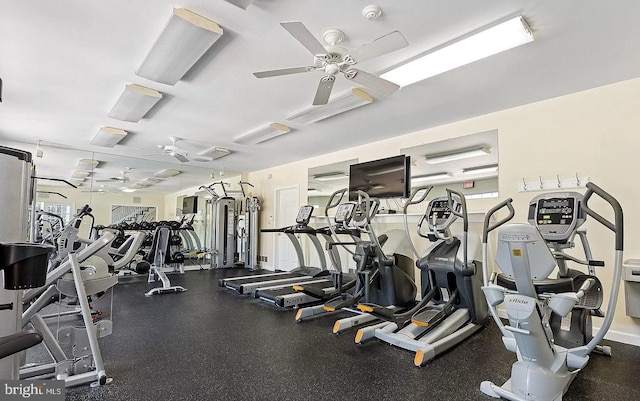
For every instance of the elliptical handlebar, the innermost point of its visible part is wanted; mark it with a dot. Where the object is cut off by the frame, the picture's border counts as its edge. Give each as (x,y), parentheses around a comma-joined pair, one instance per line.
(463,213)
(332,203)
(487,228)
(618,226)
(411,201)
(367,207)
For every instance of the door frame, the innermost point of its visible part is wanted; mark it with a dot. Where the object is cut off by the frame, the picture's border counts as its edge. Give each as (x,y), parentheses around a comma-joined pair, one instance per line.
(276,197)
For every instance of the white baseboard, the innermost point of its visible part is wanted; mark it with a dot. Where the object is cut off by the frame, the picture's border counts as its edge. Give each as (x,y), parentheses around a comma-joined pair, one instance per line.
(612,335)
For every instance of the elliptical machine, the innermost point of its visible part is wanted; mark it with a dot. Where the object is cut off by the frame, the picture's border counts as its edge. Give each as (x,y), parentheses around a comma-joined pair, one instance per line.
(380,279)
(547,360)
(452,306)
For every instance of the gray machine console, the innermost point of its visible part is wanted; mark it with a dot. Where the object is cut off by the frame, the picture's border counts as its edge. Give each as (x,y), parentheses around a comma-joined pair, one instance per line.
(438,214)
(304,215)
(360,218)
(344,213)
(557,215)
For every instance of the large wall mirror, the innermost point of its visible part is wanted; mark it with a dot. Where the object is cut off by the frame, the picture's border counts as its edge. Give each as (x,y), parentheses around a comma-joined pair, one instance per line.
(107,181)
(467,163)
(324,180)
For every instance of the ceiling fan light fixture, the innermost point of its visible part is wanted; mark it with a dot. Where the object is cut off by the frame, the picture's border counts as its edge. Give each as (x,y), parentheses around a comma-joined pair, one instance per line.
(108,137)
(457,155)
(261,134)
(243,4)
(183,41)
(488,42)
(345,101)
(134,103)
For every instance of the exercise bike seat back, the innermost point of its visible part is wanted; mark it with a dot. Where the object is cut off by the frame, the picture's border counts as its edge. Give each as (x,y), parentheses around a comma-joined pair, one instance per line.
(524,257)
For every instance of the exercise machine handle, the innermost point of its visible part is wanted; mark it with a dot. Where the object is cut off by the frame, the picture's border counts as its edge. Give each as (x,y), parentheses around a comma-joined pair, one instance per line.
(463,203)
(367,207)
(412,198)
(335,199)
(618,226)
(487,228)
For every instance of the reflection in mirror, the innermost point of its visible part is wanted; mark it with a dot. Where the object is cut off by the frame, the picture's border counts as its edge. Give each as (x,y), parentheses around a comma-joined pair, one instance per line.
(468,164)
(324,180)
(105,180)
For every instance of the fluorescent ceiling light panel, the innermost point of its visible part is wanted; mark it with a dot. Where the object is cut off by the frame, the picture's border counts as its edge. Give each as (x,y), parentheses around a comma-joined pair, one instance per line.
(80,174)
(167,173)
(431,177)
(261,134)
(76,181)
(108,137)
(346,101)
(478,170)
(494,40)
(330,177)
(152,180)
(314,192)
(134,103)
(87,164)
(184,39)
(457,155)
(215,152)
(128,190)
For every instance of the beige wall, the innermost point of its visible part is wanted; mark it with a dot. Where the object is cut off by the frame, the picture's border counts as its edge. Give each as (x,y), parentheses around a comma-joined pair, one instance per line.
(593,133)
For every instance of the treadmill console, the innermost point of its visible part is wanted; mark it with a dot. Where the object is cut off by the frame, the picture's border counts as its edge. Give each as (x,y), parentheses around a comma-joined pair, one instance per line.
(557,215)
(344,213)
(304,215)
(439,214)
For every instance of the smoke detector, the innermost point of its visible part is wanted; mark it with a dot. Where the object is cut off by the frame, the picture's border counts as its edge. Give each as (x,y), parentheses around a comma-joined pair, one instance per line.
(372,12)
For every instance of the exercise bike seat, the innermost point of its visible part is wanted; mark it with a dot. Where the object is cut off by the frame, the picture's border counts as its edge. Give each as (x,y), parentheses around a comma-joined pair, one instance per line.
(549,285)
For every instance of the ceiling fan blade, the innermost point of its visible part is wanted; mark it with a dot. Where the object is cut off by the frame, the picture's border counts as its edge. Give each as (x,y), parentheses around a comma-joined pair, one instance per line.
(324,91)
(283,71)
(371,81)
(180,157)
(306,38)
(383,45)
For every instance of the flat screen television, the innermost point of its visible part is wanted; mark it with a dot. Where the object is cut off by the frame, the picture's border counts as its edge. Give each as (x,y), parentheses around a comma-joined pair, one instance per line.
(190,204)
(384,178)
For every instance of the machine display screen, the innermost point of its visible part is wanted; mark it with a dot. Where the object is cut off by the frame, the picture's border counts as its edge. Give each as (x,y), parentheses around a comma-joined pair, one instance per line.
(559,211)
(304,215)
(439,210)
(344,212)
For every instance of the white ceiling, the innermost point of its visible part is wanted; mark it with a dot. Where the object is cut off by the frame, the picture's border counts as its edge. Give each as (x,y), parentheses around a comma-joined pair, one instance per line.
(64,64)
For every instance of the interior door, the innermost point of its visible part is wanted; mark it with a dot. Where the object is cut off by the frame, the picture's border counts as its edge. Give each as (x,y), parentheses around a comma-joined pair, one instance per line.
(287,205)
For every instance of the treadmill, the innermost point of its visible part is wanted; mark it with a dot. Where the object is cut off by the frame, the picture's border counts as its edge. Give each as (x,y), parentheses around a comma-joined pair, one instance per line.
(249,284)
(305,292)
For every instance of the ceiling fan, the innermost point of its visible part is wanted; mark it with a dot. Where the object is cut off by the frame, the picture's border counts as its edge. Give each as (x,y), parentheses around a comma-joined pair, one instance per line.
(182,155)
(123,178)
(333,59)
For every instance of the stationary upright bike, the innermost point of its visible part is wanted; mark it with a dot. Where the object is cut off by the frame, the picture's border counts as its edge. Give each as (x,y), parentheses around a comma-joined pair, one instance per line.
(538,306)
